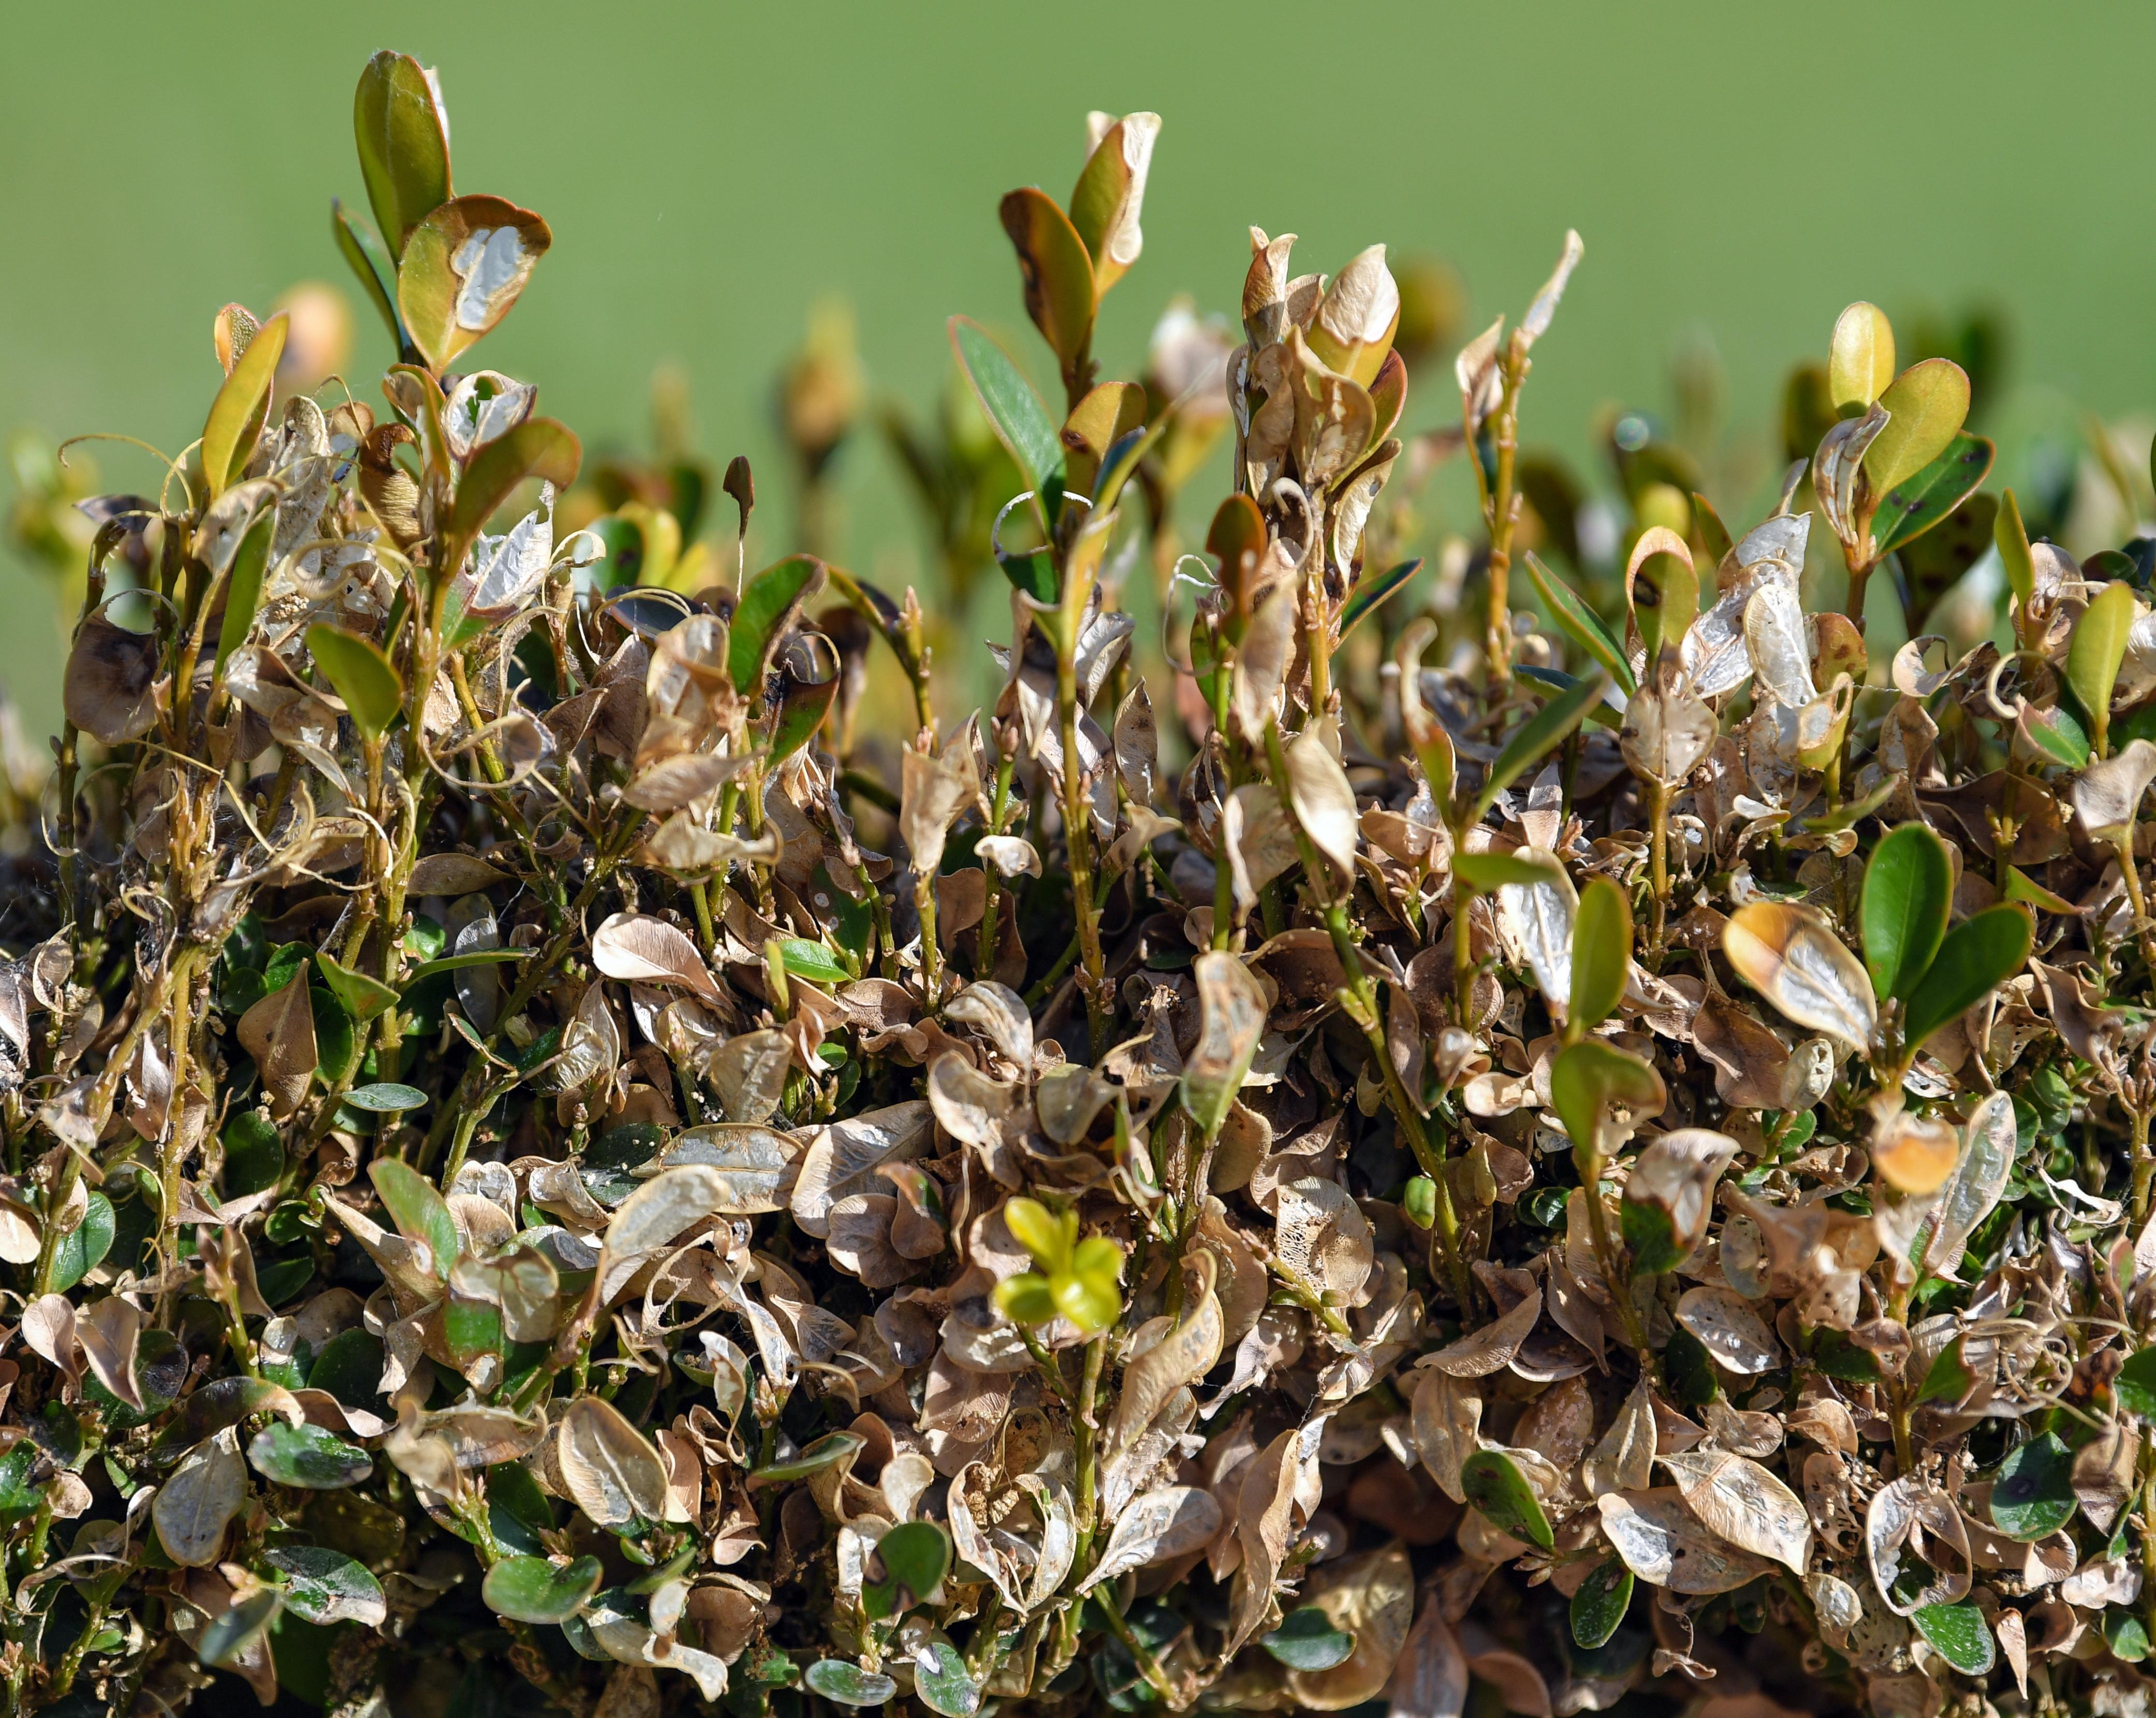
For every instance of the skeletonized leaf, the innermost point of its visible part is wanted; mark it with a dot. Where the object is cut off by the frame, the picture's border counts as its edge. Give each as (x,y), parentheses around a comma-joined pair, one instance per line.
(1538,914)
(464,267)
(278,1032)
(654,1215)
(1232,1019)
(1664,1544)
(1262,661)
(194,1506)
(1323,802)
(611,1471)
(2107,796)
(642,949)
(1729,1329)
(933,790)
(1979,1180)
(755,1164)
(1670,1196)
(1184,1354)
(749,1072)
(1161,1525)
(1791,958)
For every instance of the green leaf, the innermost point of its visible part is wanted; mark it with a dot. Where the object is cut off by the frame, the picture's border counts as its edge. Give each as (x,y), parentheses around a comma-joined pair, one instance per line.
(848,1683)
(457,962)
(1486,872)
(236,416)
(1981,952)
(941,1681)
(914,1556)
(308,1456)
(81,1250)
(1582,623)
(1959,1635)
(403,141)
(1418,1203)
(2057,734)
(2008,533)
(349,1367)
(371,690)
(357,249)
(243,586)
(2034,1494)
(336,1035)
(2094,655)
(1371,592)
(1013,410)
(363,997)
(2125,1633)
(253,1153)
(1496,1487)
(325,1586)
(533,1590)
(1948,1378)
(418,1209)
(386,1097)
(1537,736)
(1026,1300)
(1591,1076)
(1908,894)
(771,600)
(1926,405)
(2135,1386)
(812,961)
(1599,1602)
(1689,1369)
(1049,1238)
(831,1448)
(1601,952)
(1922,500)
(1307,1640)
(230,1635)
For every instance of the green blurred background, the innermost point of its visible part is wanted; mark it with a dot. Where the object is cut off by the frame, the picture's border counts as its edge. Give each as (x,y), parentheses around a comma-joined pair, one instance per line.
(710,172)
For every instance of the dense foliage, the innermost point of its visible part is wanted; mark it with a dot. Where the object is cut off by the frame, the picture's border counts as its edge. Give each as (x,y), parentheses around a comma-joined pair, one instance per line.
(1606,1169)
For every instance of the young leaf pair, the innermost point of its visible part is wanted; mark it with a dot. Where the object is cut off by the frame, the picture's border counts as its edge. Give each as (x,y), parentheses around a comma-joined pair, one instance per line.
(1910,954)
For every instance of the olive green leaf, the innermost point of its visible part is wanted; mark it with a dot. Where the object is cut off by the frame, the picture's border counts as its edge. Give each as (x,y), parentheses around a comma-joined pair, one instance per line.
(2093,657)
(1057,274)
(1959,1635)
(2033,1495)
(1979,953)
(371,689)
(1371,590)
(1013,410)
(419,1212)
(1537,736)
(1601,955)
(404,142)
(358,249)
(1582,623)
(1926,405)
(464,265)
(912,1557)
(243,586)
(362,996)
(1307,1640)
(237,414)
(1924,498)
(1593,1079)
(1485,872)
(768,606)
(2013,541)
(848,1685)
(324,1585)
(2135,1386)
(1908,893)
(308,1456)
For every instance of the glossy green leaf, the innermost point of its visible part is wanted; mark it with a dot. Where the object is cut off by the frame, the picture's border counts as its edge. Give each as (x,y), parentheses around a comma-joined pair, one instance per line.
(237,414)
(1599,1602)
(912,1557)
(2135,1386)
(534,1590)
(362,996)
(1920,500)
(386,1097)
(253,1153)
(768,604)
(457,962)
(404,142)
(1539,735)
(1926,406)
(1908,894)
(2126,1633)
(2093,657)
(308,1456)
(358,250)
(82,1248)
(350,1367)
(2057,733)
(849,1684)
(242,585)
(1948,1378)
(418,1209)
(1582,624)
(371,689)
(1981,952)
(1959,1635)
(1371,592)
(1601,714)
(1495,1485)
(1307,1640)
(1601,952)
(1013,410)
(325,1586)
(2034,1494)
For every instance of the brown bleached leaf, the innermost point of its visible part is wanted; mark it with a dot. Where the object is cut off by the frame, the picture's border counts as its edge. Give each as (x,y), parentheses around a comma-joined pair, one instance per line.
(1793,959)
(640,949)
(278,1032)
(612,1472)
